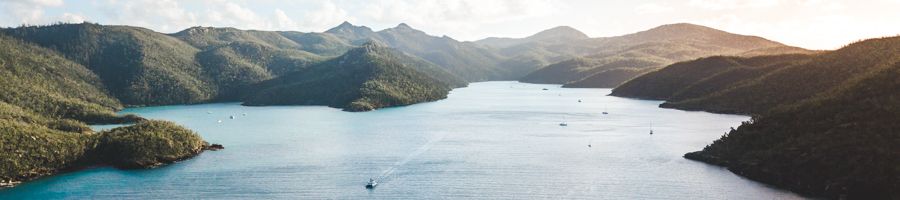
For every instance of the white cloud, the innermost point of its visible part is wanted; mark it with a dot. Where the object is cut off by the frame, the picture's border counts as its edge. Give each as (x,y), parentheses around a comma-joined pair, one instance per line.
(71,18)
(161,15)
(459,17)
(807,23)
(283,20)
(17,12)
(323,16)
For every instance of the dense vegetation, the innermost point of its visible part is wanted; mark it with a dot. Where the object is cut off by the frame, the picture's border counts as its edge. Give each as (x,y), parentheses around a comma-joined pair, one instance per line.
(369,77)
(139,66)
(45,105)
(146,144)
(31,150)
(40,80)
(823,124)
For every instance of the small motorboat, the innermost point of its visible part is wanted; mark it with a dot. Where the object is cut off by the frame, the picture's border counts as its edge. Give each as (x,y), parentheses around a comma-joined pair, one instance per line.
(545,89)
(371,183)
(579,101)
(563,124)
(605,113)
(231,117)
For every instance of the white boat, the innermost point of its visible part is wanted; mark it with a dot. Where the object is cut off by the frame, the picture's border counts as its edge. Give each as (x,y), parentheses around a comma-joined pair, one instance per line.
(371,183)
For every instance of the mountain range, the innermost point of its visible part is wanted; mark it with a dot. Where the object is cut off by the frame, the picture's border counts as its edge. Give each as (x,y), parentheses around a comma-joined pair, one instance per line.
(609,61)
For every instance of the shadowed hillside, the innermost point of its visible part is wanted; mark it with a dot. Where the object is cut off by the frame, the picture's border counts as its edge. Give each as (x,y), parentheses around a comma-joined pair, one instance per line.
(824,124)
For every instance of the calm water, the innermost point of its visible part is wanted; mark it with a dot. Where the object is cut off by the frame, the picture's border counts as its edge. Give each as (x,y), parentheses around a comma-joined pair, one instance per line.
(491,140)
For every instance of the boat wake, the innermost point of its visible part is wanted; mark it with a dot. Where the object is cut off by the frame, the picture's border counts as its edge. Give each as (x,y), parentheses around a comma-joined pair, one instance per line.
(425,147)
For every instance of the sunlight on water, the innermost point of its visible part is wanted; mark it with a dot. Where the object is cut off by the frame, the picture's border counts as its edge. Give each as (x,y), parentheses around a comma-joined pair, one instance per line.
(492,140)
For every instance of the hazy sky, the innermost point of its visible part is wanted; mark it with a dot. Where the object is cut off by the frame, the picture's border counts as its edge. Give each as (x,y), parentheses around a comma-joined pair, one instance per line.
(816,24)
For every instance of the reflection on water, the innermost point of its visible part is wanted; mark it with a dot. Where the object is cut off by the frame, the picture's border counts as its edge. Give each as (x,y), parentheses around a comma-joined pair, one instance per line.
(490,140)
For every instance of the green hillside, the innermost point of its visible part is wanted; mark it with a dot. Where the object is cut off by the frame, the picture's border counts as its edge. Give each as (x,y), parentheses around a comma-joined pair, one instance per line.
(46,102)
(319,43)
(365,78)
(138,66)
(44,82)
(236,66)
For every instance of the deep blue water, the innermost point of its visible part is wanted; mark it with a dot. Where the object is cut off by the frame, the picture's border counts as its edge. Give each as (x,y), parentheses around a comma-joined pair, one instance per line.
(491,140)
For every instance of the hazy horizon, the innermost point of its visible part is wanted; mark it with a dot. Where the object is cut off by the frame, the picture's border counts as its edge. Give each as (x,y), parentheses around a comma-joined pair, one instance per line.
(813,24)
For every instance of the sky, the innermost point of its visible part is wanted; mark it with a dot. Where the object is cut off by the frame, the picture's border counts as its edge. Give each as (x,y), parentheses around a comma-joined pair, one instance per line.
(812,24)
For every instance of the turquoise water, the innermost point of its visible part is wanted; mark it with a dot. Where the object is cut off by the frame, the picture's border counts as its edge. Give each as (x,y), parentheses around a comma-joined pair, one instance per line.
(491,140)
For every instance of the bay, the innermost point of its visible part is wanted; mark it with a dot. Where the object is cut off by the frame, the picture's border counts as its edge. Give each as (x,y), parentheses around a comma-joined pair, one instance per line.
(491,140)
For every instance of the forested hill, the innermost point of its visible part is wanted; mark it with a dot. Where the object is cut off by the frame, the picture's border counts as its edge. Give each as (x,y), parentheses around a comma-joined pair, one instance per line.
(138,66)
(823,124)
(44,82)
(368,77)
(46,102)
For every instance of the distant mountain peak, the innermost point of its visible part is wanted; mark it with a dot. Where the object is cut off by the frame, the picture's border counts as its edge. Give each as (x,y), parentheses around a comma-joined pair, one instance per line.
(683,27)
(559,32)
(403,28)
(347,27)
(699,33)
